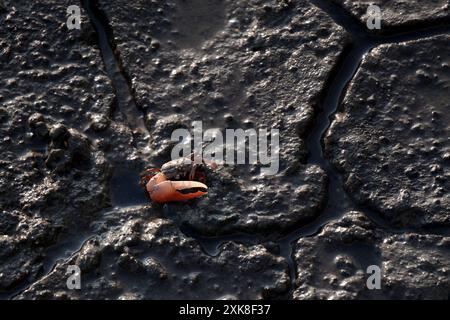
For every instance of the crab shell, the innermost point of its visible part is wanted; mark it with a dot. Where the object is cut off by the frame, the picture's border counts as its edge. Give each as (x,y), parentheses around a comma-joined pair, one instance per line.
(178,169)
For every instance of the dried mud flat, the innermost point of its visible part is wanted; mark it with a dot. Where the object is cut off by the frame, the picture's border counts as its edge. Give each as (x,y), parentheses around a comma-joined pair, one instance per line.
(364,149)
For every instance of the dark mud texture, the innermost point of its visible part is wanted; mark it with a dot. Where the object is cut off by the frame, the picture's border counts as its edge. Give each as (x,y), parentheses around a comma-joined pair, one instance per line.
(390,139)
(82,112)
(145,257)
(52,177)
(334,264)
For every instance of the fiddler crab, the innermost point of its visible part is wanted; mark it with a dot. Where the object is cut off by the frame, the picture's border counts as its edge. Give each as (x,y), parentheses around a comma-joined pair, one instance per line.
(177,180)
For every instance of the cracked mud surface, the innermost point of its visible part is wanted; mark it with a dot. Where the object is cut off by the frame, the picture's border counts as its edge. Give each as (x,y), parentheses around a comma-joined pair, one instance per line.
(391,136)
(82,112)
(399,14)
(333,264)
(147,257)
(241,76)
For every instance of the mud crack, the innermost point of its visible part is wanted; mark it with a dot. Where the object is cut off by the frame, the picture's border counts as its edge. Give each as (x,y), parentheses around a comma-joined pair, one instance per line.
(125,101)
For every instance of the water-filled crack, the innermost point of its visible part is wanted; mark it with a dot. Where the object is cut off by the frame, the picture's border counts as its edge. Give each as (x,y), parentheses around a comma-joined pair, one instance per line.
(125,101)
(59,252)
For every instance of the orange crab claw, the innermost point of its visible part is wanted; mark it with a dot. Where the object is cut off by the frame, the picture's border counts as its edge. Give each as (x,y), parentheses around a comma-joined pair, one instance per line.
(147,175)
(169,191)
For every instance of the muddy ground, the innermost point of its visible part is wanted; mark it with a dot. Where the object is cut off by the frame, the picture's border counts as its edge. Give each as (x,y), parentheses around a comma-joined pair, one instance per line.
(364,149)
